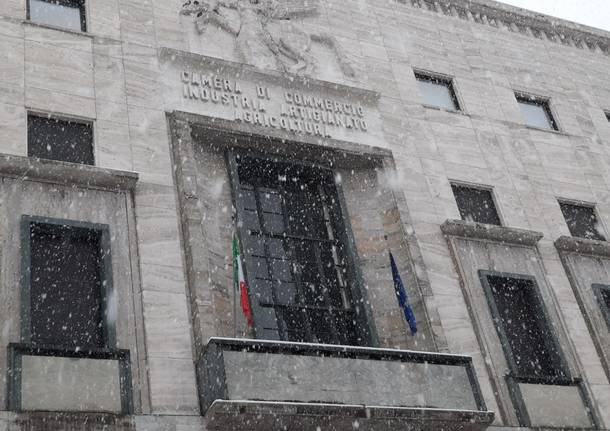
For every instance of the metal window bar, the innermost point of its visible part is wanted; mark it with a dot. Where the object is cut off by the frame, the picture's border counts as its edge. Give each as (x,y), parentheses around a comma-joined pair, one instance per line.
(332,315)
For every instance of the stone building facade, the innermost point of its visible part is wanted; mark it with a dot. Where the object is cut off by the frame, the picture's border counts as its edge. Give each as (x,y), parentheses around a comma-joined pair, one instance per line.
(140,137)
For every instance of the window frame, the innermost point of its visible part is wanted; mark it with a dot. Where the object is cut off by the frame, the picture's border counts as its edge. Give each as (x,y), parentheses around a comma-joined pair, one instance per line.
(544,102)
(508,353)
(513,380)
(80,4)
(109,330)
(441,79)
(481,187)
(591,205)
(603,307)
(66,118)
(365,318)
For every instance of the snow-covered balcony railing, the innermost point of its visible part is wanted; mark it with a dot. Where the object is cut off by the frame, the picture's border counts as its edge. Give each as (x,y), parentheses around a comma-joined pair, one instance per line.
(269,385)
(69,380)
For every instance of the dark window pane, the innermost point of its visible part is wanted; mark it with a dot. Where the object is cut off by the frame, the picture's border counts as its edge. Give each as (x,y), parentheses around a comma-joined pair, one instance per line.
(293,324)
(536,113)
(476,205)
(297,253)
(347,328)
(304,254)
(262,291)
(286,293)
(274,223)
(582,221)
(66,286)
(602,293)
(63,140)
(68,14)
(267,318)
(271,201)
(254,245)
(530,339)
(248,199)
(437,92)
(276,248)
(281,270)
(258,268)
(321,323)
(250,218)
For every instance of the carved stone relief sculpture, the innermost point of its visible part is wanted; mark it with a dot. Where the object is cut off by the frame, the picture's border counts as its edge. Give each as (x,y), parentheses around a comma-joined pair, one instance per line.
(265,35)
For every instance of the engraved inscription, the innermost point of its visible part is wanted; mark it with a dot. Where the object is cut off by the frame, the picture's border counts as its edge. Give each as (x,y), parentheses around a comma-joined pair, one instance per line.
(256,104)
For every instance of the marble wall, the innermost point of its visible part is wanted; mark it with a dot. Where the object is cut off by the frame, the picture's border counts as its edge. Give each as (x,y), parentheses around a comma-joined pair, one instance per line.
(112,75)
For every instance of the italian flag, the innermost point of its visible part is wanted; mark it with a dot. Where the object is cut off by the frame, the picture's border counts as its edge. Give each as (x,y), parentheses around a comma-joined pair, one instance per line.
(239,282)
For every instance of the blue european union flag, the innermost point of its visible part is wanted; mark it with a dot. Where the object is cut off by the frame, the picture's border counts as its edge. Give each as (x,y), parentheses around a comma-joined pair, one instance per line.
(402,297)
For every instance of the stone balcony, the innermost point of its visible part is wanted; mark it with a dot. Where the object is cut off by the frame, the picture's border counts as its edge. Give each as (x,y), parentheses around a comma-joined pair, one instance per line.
(263,385)
(68,381)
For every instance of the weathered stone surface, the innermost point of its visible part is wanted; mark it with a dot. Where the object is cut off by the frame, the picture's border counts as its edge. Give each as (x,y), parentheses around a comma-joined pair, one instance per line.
(173,229)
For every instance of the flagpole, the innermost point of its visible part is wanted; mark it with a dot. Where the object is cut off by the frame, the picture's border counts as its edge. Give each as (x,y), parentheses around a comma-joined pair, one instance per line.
(234,290)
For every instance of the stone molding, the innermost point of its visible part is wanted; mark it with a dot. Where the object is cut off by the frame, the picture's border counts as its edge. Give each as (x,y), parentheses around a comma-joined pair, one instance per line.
(247,71)
(63,173)
(583,246)
(520,21)
(480,231)
(253,413)
(349,152)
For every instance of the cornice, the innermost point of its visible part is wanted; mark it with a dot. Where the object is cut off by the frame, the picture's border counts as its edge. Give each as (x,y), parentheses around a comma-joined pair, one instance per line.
(522,21)
(63,173)
(501,234)
(583,246)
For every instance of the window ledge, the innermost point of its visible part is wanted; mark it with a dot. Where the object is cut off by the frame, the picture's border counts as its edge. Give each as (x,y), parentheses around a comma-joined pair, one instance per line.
(64,173)
(583,246)
(507,235)
(58,28)
(540,129)
(450,111)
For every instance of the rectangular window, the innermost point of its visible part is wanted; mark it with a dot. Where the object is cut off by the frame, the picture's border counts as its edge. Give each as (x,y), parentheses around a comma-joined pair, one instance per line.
(527,338)
(582,221)
(437,91)
(475,204)
(69,14)
(602,294)
(295,253)
(66,274)
(57,139)
(536,112)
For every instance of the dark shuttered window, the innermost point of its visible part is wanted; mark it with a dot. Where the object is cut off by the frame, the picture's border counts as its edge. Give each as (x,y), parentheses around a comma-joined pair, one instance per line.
(295,252)
(602,294)
(69,14)
(57,139)
(527,338)
(66,286)
(582,221)
(476,204)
